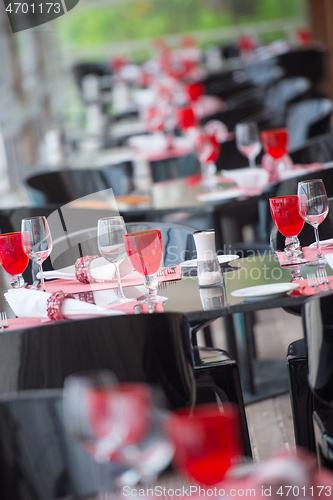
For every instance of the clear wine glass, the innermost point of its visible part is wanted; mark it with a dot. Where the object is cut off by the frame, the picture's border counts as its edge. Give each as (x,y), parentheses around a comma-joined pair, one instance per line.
(110,236)
(145,251)
(248,141)
(37,241)
(313,208)
(145,453)
(91,422)
(117,424)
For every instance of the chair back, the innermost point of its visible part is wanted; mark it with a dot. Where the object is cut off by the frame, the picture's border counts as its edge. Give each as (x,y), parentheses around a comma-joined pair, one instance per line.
(318,327)
(174,168)
(306,62)
(178,243)
(285,91)
(80,71)
(33,454)
(306,119)
(151,348)
(64,186)
(317,149)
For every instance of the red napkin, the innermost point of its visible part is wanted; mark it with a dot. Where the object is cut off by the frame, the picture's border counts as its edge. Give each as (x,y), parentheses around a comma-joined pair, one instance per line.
(305,289)
(309,254)
(19,323)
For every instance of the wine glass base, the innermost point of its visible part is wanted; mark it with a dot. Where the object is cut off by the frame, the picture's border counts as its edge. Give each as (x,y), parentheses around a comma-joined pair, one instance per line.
(154,300)
(294,261)
(17,281)
(122,300)
(319,262)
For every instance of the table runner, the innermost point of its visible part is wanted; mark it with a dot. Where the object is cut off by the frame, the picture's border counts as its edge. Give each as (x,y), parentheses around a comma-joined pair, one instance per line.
(133,279)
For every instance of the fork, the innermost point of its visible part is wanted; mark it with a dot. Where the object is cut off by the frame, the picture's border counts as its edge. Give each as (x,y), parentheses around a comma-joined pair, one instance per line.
(323,279)
(3,321)
(163,271)
(313,282)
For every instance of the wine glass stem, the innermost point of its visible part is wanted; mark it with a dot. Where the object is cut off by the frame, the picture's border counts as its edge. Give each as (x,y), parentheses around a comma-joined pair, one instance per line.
(252,161)
(42,277)
(319,254)
(120,288)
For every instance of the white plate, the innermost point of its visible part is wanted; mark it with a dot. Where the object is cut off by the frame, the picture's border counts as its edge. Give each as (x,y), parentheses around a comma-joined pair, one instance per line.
(264,291)
(222,194)
(223,259)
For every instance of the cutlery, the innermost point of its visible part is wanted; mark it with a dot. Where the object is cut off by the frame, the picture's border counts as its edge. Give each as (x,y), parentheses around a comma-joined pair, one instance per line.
(3,321)
(323,279)
(163,271)
(313,282)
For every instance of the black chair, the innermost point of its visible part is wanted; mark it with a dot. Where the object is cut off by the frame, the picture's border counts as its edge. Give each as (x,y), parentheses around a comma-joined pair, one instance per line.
(231,117)
(276,96)
(151,348)
(84,69)
(74,232)
(317,149)
(174,168)
(306,62)
(33,448)
(178,243)
(318,321)
(229,157)
(304,120)
(64,186)
(227,84)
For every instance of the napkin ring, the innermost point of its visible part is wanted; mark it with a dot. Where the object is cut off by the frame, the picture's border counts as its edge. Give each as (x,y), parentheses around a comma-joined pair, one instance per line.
(54,304)
(82,271)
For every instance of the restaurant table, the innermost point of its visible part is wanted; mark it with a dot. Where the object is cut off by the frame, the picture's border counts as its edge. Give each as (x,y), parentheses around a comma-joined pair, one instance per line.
(185,296)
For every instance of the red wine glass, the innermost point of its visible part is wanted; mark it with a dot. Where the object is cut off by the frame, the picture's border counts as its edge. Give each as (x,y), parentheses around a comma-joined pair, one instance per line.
(206,441)
(145,251)
(103,416)
(12,257)
(286,217)
(275,142)
(186,118)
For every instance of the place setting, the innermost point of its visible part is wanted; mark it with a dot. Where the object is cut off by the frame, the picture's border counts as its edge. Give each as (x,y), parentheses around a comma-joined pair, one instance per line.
(93,286)
(289,214)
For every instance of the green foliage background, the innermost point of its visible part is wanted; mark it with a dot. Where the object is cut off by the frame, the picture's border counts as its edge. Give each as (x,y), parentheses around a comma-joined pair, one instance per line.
(93,26)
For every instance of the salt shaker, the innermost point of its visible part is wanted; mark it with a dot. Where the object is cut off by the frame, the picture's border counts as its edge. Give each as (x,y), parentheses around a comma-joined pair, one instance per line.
(212,297)
(208,270)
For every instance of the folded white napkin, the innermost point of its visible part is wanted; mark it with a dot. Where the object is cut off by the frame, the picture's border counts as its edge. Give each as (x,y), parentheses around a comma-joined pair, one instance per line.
(33,304)
(329,259)
(100,270)
(323,243)
(247,177)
